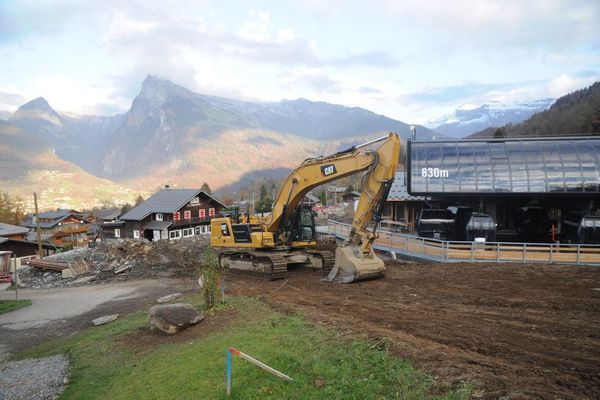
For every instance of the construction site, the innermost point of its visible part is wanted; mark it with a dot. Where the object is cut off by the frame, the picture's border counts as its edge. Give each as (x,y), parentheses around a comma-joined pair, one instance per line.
(473,318)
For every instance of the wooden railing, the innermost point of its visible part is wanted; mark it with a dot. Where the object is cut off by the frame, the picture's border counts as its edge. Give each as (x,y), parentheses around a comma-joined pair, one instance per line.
(450,251)
(191,221)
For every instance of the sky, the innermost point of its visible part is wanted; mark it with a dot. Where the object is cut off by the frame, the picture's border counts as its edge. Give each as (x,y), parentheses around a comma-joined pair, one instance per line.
(415,61)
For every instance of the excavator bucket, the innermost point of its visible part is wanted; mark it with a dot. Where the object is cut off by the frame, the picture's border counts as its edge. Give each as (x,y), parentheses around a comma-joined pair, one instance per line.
(351,266)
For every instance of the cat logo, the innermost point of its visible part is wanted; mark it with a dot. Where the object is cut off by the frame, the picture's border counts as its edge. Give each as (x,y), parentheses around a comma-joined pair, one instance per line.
(327,170)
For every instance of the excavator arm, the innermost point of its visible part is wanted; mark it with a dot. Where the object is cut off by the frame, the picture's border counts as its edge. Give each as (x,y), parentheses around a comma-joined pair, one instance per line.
(380,166)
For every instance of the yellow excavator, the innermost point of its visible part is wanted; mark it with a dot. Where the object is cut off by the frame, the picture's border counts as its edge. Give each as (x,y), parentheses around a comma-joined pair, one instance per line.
(266,246)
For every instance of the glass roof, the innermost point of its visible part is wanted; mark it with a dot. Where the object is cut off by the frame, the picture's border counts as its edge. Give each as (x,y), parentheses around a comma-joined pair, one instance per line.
(511,166)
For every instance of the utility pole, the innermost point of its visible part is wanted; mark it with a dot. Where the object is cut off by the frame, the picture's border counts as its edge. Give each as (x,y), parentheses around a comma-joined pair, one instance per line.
(37,226)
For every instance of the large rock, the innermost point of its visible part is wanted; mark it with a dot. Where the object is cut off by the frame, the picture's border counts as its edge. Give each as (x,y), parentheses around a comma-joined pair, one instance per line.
(169,298)
(105,319)
(171,318)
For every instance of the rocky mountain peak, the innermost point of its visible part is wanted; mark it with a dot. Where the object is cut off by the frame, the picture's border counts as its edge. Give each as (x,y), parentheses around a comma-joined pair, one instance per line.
(36,111)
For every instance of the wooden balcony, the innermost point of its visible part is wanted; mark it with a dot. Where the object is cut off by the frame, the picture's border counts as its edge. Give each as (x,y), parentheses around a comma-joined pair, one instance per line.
(191,221)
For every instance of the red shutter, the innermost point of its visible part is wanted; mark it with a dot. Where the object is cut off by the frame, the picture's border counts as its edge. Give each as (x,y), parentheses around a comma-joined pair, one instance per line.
(176,216)
(211,212)
(187,214)
(202,213)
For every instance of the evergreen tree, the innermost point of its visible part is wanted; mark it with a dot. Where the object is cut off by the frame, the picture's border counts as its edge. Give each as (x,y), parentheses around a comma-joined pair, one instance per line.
(206,188)
(10,210)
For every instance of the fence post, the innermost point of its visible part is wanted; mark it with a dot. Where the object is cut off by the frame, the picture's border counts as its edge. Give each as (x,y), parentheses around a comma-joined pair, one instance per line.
(444,248)
(472,251)
(578,252)
(423,246)
(497,252)
(524,252)
(551,249)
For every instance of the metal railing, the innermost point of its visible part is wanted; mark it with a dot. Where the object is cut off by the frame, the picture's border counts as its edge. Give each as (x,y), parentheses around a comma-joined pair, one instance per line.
(456,251)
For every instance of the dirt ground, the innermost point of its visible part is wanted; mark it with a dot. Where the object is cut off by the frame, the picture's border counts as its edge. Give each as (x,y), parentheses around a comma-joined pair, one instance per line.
(522,331)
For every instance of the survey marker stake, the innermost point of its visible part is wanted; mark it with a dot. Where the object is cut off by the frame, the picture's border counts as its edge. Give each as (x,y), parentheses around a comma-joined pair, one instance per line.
(236,352)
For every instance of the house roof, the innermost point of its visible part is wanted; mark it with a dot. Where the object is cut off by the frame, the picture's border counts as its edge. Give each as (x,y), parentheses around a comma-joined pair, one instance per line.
(398,191)
(312,198)
(108,215)
(158,225)
(10,230)
(164,201)
(54,216)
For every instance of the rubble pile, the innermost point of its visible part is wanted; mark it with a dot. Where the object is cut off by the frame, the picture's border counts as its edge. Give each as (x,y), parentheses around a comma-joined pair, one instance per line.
(123,259)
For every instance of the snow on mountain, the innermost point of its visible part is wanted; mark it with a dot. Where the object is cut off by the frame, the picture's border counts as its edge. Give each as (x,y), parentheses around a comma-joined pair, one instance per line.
(469,118)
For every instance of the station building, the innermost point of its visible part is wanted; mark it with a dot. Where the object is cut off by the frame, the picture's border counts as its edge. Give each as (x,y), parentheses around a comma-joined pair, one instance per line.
(534,190)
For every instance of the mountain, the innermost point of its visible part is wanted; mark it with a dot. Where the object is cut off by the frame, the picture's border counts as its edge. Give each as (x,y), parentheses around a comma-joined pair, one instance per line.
(166,123)
(171,135)
(468,119)
(78,139)
(577,113)
(5,115)
(29,164)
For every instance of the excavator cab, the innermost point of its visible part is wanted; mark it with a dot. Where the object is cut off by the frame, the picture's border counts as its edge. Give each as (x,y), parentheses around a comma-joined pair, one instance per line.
(302,225)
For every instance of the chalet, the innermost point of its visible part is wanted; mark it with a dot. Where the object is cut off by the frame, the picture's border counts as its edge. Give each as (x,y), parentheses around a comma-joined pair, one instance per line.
(14,239)
(350,197)
(168,214)
(110,215)
(61,227)
(12,231)
(310,200)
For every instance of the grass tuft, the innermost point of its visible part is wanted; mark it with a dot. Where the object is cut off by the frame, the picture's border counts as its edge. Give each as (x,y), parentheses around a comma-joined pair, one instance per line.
(12,305)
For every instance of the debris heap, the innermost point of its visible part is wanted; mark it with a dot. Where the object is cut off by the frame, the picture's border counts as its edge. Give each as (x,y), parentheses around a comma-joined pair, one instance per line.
(123,259)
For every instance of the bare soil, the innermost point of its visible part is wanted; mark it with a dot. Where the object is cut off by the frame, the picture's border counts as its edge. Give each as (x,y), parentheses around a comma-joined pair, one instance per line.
(520,331)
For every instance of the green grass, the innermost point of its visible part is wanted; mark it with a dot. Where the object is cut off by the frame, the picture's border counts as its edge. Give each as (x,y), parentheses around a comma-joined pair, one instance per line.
(103,368)
(12,305)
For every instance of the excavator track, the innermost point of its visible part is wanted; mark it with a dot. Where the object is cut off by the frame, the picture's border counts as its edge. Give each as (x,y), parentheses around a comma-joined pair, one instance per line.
(270,265)
(328,259)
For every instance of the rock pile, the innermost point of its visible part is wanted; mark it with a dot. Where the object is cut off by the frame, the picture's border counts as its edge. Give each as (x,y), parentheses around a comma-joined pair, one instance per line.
(123,259)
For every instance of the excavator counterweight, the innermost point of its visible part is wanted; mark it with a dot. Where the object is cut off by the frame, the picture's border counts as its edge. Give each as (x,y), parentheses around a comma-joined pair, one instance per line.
(267,246)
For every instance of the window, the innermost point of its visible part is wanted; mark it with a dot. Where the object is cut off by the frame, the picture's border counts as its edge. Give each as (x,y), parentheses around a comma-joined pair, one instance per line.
(117,233)
(176,216)
(205,229)
(211,212)
(159,217)
(198,230)
(187,232)
(136,234)
(202,213)
(187,215)
(195,200)
(175,235)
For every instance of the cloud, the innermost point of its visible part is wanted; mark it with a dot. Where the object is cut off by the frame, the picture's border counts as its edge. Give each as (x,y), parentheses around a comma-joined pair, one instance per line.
(11,101)
(369,90)
(314,79)
(451,93)
(530,24)
(565,83)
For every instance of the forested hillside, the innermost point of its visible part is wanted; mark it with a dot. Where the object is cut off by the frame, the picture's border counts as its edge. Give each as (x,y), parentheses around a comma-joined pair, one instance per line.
(577,113)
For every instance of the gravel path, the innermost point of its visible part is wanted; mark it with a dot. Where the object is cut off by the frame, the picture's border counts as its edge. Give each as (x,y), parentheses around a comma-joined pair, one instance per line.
(34,379)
